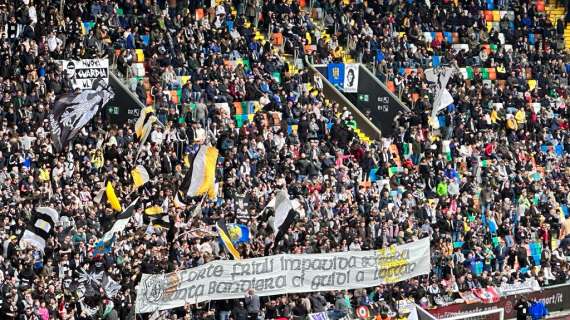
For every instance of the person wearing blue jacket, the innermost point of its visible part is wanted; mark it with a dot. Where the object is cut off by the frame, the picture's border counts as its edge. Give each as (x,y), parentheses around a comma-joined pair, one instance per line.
(538,310)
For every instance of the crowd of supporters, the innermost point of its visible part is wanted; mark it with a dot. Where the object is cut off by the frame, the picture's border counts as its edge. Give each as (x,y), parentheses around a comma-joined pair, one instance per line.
(490,183)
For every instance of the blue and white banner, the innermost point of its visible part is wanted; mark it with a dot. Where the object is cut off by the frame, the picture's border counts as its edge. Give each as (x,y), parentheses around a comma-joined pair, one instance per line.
(318,316)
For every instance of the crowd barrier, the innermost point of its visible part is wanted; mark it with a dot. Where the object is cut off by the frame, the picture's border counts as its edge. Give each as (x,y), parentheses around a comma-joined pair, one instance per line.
(556,298)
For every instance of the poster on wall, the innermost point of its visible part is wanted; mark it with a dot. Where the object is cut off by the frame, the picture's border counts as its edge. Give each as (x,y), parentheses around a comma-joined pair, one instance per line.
(335,74)
(351,77)
(283,274)
(83,73)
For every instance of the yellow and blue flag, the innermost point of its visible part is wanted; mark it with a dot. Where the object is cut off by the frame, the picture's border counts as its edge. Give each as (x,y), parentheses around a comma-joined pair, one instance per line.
(103,246)
(335,74)
(226,239)
(239,233)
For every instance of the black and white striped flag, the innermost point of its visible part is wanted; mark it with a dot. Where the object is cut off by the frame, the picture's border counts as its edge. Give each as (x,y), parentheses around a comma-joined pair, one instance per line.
(284,214)
(38,234)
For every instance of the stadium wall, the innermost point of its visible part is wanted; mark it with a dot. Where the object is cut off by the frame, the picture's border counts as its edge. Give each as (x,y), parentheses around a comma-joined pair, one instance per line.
(556,298)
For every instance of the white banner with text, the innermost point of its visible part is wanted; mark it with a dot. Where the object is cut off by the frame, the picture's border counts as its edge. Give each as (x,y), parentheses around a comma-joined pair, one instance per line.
(282,274)
(83,73)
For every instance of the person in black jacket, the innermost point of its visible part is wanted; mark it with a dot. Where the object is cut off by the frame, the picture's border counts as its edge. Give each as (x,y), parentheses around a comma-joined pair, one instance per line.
(522,308)
(271,310)
(318,302)
(239,312)
(299,310)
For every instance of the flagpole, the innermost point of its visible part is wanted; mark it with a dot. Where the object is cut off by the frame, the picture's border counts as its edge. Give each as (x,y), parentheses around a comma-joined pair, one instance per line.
(207,140)
(187,232)
(199,205)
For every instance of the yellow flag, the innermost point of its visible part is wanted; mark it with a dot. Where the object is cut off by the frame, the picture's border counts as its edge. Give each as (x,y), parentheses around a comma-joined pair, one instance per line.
(154,210)
(112,198)
(140,176)
(204,173)
(141,121)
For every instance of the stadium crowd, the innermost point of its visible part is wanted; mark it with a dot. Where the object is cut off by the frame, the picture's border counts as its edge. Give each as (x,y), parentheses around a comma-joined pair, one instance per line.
(492,180)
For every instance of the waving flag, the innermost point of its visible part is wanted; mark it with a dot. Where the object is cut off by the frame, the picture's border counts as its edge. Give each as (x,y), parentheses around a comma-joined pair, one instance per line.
(154,210)
(239,233)
(442,98)
(226,239)
(202,176)
(112,197)
(284,214)
(122,221)
(178,202)
(73,111)
(110,286)
(103,246)
(141,121)
(140,176)
(158,221)
(146,130)
(38,234)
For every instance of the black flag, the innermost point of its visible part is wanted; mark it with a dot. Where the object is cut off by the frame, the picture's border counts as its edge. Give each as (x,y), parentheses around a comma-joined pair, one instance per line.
(73,111)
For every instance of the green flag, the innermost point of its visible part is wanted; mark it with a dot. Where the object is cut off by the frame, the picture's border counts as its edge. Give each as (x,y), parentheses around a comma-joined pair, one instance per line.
(469,73)
(277,76)
(246,65)
(484,73)
(407,149)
